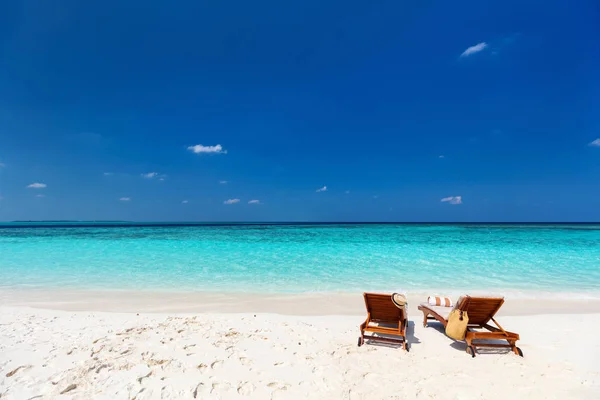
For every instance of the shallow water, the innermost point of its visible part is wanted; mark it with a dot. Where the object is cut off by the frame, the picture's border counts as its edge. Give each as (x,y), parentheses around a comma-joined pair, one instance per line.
(302,258)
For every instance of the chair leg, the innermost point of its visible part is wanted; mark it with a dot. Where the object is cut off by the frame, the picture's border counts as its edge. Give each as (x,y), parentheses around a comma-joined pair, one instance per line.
(425,314)
(361,338)
(514,348)
(405,345)
(470,348)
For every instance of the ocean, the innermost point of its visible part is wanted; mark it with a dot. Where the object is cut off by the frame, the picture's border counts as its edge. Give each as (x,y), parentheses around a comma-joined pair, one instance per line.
(288,258)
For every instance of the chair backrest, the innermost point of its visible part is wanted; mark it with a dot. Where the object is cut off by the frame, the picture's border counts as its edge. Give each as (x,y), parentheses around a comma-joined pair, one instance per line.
(480,309)
(381,308)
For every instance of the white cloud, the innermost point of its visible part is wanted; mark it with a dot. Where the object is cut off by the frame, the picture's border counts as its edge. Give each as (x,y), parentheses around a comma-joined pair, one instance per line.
(323,189)
(231,201)
(125,198)
(150,175)
(184,202)
(254,202)
(198,149)
(37,185)
(119,174)
(40,195)
(595,143)
(455,200)
(474,49)
(161,179)
(223,182)
(441,156)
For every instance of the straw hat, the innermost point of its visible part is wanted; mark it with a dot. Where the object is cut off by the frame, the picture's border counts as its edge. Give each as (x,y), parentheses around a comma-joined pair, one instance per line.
(399,300)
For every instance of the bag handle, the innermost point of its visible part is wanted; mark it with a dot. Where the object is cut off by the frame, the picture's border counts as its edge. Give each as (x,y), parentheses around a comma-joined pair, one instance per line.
(464,306)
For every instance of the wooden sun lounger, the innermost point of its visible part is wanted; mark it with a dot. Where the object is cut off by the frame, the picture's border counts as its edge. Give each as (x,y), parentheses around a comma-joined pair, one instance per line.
(480,311)
(384,318)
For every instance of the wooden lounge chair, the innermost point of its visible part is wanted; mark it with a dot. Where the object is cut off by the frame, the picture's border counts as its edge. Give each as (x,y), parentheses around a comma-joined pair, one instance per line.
(384,318)
(480,311)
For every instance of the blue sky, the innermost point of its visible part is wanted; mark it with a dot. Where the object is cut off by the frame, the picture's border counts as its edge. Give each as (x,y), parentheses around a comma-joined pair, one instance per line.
(390,105)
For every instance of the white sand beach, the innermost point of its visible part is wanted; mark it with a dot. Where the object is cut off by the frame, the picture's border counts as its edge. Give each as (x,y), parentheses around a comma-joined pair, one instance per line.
(53,353)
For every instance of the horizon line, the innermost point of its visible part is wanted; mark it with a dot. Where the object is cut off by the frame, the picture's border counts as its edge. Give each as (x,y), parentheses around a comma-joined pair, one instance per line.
(117,224)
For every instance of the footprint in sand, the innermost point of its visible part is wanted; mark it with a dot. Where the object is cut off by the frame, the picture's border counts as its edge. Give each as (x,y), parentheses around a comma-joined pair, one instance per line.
(101,367)
(202,366)
(96,350)
(220,386)
(141,378)
(245,389)
(245,361)
(14,371)
(371,377)
(278,386)
(199,389)
(153,362)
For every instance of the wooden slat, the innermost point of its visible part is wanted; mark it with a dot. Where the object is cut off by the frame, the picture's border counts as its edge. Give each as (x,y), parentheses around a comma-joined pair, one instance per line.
(492,335)
(481,309)
(491,345)
(383,339)
(379,329)
(381,307)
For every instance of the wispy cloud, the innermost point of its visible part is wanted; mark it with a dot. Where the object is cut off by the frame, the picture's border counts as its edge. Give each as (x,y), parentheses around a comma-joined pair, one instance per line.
(40,195)
(200,149)
(223,182)
(595,143)
(455,200)
(254,202)
(120,174)
(37,185)
(474,49)
(150,175)
(231,201)
(442,156)
(2,165)
(347,192)
(125,199)
(323,189)
(184,202)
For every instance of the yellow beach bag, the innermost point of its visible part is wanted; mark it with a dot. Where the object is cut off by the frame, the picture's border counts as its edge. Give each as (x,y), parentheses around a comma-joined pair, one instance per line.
(456,328)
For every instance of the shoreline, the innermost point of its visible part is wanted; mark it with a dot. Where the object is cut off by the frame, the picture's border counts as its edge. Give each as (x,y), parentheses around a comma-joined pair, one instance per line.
(304,304)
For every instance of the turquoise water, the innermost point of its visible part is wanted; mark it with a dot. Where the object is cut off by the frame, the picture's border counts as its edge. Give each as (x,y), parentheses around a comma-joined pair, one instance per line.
(302,258)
